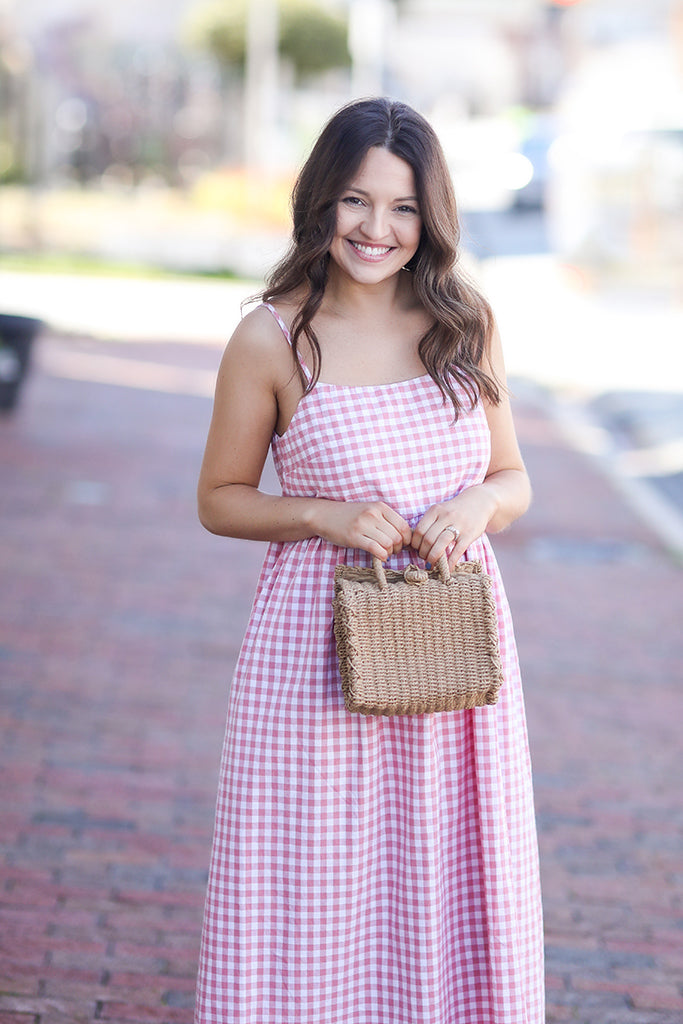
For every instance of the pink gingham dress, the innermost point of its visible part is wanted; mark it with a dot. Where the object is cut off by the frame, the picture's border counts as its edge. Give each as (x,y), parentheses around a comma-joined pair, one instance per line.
(368,870)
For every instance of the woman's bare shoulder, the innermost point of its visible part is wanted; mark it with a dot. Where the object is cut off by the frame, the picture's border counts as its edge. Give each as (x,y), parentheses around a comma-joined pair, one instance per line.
(287,306)
(259,340)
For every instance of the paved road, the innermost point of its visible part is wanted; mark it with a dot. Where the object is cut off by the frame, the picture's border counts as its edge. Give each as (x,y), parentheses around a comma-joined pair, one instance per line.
(120,621)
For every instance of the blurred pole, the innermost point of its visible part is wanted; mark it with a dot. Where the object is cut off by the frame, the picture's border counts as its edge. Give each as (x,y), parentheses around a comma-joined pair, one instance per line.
(676,24)
(261,83)
(22,122)
(369,22)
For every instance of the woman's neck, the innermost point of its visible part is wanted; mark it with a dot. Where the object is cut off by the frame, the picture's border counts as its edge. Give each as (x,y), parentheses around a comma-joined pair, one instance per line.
(351,300)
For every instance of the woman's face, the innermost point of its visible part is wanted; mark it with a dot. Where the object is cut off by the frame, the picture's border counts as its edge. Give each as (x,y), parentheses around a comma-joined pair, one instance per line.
(378,219)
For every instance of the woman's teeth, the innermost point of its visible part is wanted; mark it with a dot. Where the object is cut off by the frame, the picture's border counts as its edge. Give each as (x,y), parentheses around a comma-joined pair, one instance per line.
(371,250)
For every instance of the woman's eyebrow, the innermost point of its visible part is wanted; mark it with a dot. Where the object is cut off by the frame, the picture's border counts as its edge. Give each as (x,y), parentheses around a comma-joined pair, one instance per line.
(362,192)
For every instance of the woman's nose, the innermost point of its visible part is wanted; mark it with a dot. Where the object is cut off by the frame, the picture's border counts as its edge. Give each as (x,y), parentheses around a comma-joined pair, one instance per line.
(375,223)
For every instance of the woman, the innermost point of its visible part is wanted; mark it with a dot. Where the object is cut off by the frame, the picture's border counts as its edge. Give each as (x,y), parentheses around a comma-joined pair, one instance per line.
(366,870)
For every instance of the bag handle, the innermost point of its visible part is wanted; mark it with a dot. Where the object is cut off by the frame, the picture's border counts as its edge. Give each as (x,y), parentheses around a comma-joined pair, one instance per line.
(412,573)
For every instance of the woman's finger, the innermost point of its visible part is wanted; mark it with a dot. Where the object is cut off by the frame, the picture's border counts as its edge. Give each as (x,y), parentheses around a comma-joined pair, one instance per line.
(402,528)
(436,540)
(386,541)
(385,532)
(446,544)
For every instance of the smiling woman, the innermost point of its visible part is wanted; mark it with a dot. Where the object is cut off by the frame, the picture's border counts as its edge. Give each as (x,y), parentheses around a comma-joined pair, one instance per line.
(378,221)
(366,870)
(457,323)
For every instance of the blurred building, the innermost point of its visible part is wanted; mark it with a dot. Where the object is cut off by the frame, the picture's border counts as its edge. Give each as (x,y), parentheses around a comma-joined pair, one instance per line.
(573,104)
(616,196)
(124,69)
(102,88)
(154,20)
(112,86)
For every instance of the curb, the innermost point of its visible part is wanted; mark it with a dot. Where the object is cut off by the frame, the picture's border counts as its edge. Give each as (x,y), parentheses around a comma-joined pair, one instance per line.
(588,436)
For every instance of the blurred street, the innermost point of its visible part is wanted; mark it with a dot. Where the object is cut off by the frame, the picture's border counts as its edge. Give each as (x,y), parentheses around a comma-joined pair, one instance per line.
(120,624)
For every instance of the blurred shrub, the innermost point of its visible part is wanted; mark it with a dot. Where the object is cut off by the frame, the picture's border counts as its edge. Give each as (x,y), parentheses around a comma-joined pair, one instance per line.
(11,170)
(263,202)
(312,38)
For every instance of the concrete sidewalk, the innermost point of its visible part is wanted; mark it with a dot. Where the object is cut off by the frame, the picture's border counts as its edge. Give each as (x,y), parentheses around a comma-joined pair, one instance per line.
(120,621)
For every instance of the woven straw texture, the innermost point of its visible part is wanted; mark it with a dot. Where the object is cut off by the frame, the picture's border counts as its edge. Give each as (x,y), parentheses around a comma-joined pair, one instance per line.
(414,648)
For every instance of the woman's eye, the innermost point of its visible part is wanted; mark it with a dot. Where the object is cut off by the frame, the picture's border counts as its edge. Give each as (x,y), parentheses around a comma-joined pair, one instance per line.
(357,201)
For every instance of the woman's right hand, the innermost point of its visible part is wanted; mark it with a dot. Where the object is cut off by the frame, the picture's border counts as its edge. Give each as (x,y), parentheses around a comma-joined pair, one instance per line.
(371,526)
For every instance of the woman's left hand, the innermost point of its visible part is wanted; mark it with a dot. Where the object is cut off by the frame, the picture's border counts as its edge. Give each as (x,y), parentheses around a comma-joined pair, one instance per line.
(463,520)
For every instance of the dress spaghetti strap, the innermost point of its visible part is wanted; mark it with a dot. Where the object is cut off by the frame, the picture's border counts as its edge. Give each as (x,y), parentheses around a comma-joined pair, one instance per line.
(285,330)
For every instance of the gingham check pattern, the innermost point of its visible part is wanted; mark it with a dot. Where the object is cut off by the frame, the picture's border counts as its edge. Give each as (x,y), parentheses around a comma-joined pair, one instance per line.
(368,870)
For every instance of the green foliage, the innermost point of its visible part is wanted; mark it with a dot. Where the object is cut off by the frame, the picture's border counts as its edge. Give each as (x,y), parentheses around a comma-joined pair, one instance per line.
(220,29)
(13,174)
(12,171)
(311,37)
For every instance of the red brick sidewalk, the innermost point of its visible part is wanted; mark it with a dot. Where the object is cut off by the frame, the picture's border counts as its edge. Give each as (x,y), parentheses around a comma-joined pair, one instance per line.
(120,620)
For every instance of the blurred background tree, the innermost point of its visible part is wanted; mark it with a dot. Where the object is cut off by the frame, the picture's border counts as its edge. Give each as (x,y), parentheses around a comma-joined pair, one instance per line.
(312,38)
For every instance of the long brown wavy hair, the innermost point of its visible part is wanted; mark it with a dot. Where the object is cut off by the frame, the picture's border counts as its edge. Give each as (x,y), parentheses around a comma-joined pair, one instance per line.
(454,347)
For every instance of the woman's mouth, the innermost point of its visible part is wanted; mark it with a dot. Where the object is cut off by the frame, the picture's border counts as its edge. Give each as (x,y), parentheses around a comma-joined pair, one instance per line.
(370,252)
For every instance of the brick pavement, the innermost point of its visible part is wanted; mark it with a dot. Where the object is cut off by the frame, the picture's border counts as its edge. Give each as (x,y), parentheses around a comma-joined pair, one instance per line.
(120,621)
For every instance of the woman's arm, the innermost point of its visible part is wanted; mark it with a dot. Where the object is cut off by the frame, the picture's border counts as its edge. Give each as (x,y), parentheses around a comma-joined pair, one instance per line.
(492,505)
(256,387)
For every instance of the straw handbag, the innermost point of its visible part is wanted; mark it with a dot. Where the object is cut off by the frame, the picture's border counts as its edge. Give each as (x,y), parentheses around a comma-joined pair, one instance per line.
(416,641)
